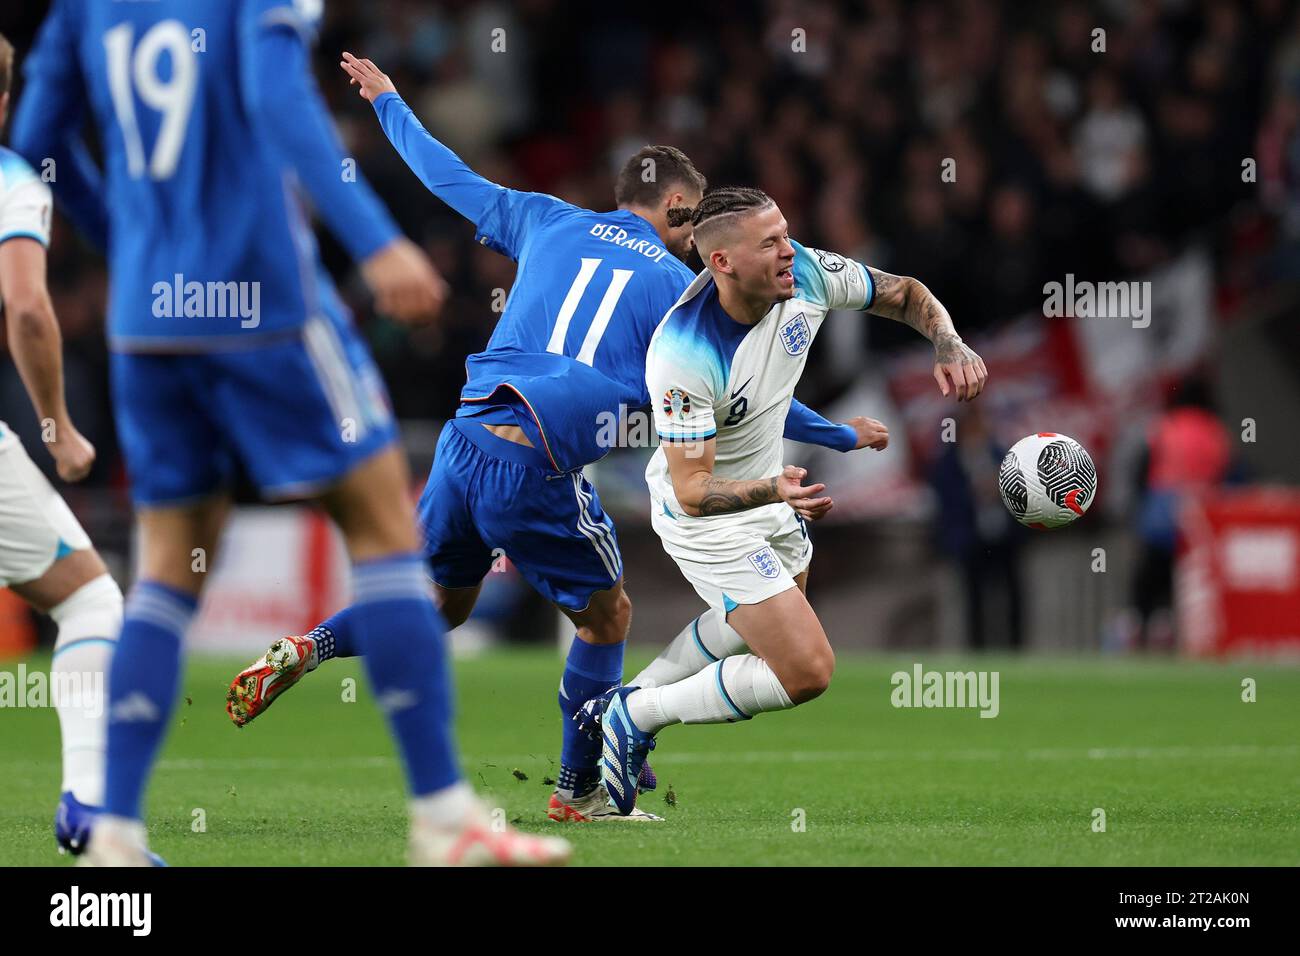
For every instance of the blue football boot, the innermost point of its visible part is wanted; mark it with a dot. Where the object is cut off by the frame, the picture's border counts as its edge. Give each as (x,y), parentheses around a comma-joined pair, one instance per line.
(624,747)
(588,719)
(73,821)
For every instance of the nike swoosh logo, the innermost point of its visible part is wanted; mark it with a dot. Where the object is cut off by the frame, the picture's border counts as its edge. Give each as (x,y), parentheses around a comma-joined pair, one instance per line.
(742,388)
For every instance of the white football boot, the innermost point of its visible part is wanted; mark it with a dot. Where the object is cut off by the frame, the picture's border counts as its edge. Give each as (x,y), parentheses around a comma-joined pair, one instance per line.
(482,840)
(116,841)
(594,808)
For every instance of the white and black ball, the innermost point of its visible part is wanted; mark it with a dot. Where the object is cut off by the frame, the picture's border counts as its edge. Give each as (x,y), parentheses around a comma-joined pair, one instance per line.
(1047,480)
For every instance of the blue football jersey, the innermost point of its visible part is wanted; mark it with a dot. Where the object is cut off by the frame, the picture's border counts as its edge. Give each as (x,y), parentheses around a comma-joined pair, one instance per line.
(569,350)
(208,244)
(571,343)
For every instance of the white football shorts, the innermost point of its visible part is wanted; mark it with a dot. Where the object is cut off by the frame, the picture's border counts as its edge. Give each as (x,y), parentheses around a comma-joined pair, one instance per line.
(36,525)
(733,559)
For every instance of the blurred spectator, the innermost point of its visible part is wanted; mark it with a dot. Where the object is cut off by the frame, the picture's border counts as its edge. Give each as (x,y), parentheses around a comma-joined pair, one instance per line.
(1109,141)
(1188,453)
(1010,259)
(977,532)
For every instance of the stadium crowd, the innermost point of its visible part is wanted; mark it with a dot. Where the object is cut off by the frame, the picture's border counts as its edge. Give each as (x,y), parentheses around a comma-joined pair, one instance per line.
(975,144)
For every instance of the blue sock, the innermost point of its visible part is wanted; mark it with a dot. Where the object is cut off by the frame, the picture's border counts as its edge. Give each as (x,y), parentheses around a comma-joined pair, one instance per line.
(336,636)
(400,634)
(143,682)
(589,671)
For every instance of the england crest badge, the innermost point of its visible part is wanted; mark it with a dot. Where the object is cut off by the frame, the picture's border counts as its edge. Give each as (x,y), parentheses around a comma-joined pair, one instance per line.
(765,562)
(795,335)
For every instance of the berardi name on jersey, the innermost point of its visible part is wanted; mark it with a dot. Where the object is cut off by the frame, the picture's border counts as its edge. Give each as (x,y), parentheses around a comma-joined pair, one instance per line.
(609,232)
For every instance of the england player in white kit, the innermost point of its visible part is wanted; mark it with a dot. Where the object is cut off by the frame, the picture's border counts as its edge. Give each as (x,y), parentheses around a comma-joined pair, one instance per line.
(45,556)
(721,370)
(35,524)
(713,378)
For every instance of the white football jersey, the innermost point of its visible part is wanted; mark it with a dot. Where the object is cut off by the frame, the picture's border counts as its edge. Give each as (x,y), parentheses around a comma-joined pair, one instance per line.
(25,210)
(25,203)
(710,376)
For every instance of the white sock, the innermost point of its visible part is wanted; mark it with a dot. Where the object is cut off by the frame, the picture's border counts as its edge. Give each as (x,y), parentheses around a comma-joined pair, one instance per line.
(735,688)
(446,808)
(121,829)
(706,639)
(89,620)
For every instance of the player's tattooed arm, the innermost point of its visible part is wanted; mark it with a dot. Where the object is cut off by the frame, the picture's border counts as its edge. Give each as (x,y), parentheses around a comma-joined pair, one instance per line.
(702,493)
(720,496)
(907,300)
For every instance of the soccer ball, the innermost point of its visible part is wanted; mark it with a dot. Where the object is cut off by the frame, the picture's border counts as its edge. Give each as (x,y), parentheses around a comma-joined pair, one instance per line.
(1047,480)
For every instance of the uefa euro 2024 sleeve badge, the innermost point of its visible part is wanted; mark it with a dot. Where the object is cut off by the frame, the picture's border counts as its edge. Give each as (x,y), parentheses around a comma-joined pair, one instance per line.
(677,404)
(795,335)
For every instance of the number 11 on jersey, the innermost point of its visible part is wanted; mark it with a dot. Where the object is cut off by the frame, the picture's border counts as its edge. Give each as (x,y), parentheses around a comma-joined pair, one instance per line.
(617,283)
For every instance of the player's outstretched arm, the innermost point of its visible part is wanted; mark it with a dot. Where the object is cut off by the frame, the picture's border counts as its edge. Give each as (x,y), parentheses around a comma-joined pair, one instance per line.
(37,348)
(904,299)
(503,216)
(290,115)
(802,424)
(701,493)
(442,171)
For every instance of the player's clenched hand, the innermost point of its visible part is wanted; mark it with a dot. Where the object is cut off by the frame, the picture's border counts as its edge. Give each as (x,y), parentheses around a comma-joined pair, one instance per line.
(373,82)
(73,455)
(805,500)
(404,282)
(955,360)
(871,433)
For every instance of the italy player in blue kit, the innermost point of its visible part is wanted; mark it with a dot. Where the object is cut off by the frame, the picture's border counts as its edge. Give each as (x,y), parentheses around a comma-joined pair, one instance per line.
(232,352)
(568,351)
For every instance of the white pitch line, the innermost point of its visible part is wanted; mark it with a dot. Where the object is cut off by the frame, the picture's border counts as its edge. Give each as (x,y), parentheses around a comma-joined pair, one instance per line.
(1093,753)
(272,763)
(777,756)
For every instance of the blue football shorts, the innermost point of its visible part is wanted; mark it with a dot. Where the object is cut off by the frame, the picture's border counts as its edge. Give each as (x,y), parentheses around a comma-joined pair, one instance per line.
(295,414)
(488,498)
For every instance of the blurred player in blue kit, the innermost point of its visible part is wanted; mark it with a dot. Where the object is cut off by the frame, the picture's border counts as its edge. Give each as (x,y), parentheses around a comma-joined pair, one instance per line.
(232,352)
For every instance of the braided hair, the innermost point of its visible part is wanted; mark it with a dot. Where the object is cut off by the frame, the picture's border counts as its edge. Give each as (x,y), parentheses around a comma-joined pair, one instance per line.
(723,201)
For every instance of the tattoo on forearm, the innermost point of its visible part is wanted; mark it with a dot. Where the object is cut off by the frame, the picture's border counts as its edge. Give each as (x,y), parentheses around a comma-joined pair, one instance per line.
(908,301)
(722,496)
(927,315)
(883,282)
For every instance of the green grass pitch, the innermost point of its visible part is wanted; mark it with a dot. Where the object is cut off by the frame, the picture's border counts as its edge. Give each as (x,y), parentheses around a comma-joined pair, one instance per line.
(1184,770)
